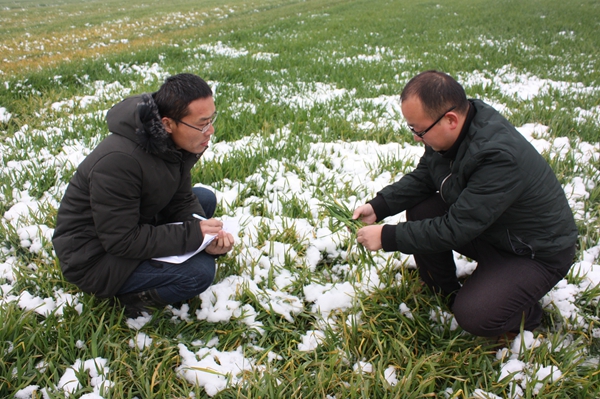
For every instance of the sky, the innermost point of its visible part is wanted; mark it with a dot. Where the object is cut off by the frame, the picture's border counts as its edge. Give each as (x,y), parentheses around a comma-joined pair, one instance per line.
(354,165)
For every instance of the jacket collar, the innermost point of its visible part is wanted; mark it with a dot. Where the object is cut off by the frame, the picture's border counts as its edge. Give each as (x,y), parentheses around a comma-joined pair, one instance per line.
(451,153)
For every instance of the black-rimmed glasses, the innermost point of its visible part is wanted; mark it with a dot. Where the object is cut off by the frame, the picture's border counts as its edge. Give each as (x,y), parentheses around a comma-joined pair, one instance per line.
(422,133)
(204,128)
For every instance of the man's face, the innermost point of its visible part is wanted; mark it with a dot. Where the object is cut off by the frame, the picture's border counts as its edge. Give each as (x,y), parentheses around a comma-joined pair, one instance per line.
(440,136)
(186,134)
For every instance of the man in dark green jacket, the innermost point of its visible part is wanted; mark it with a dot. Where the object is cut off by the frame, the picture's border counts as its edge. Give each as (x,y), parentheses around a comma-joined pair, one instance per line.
(131,200)
(482,190)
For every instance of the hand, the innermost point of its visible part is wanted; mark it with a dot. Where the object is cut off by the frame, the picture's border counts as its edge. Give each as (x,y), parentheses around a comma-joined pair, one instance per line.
(366,213)
(222,244)
(211,226)
(370,237)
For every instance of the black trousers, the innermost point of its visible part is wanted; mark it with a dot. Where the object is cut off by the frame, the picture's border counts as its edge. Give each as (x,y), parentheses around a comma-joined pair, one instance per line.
(503,291)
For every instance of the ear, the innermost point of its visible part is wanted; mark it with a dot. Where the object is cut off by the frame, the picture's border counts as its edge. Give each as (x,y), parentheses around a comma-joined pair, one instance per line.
(168,124)
(453,119)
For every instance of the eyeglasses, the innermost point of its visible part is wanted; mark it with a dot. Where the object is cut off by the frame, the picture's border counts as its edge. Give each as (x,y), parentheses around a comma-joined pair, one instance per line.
(422,133)
(202,129)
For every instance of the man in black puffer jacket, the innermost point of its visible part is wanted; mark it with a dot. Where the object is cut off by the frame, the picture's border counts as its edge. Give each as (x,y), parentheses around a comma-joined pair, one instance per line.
(131,200)
(480,189)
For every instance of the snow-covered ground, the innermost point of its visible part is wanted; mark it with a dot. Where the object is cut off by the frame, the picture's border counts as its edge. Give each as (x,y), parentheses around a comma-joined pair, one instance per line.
(269,269)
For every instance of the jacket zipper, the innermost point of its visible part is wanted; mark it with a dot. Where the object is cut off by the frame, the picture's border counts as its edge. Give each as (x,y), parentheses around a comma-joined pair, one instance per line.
(444,181)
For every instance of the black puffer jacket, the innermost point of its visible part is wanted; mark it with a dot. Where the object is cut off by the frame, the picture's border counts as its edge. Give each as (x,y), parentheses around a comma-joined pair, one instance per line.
(116,209)
(498,187)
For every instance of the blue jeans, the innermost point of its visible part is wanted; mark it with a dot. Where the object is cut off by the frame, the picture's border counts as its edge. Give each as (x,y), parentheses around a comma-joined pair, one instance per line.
(177,282)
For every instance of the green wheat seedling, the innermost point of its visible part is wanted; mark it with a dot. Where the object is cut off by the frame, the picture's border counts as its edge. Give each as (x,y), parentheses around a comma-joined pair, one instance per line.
(341,217)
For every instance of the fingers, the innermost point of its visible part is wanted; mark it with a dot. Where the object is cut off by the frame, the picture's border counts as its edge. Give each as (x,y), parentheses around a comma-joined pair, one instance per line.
(212,223)
(360,236)
(224,240)
(365,213)
(211,226)
(362,210)
(228,241)
(222,243)
(370,237)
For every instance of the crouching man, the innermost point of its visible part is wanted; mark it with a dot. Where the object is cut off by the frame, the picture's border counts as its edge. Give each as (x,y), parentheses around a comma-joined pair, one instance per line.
(480,189)
(131,200)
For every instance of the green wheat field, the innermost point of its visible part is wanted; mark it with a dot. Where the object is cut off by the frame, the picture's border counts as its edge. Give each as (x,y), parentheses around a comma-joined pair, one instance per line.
(309,128)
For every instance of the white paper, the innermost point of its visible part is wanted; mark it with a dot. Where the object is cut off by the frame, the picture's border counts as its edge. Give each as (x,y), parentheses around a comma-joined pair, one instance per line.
(208,238)
(228,226)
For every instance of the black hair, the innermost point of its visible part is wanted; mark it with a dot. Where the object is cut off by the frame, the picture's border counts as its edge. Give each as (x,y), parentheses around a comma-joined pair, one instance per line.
(438,92)
(177,92)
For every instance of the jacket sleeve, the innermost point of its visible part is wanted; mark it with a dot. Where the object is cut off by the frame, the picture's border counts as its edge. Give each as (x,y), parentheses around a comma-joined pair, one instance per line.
(411,189)
(115,197)
(494,185)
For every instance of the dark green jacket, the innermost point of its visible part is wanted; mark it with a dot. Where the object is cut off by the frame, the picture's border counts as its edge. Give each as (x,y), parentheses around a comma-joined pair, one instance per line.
(498,188)
(114,212)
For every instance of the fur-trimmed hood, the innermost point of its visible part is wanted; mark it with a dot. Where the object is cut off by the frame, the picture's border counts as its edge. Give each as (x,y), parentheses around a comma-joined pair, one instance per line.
(137,118)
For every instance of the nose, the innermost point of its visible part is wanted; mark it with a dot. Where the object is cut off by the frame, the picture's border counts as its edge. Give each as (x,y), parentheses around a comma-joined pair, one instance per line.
(417,138)
(211,130)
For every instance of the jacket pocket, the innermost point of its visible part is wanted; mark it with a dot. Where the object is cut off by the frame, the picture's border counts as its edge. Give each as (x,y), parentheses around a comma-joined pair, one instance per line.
(520,246)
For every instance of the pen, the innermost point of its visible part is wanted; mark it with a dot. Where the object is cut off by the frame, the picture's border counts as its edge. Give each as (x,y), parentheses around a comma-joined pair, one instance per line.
(198,216)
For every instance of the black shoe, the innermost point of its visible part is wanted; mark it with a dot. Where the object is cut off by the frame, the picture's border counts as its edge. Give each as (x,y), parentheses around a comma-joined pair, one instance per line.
(138,302)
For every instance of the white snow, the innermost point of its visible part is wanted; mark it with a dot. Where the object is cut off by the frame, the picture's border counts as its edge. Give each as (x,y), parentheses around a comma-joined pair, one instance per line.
(266,274)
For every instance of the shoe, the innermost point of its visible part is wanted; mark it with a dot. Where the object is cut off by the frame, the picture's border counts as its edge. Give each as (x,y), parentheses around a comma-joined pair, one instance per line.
(137,303)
